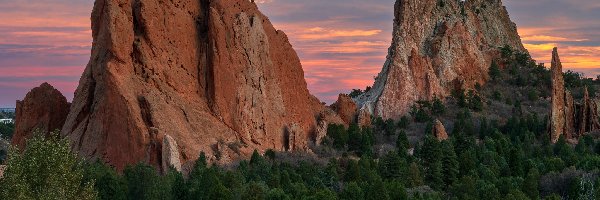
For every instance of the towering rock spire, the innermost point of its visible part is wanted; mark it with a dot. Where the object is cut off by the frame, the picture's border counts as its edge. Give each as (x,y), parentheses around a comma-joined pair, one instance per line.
(437,45)
(567,117)
(558,116)
(214,75)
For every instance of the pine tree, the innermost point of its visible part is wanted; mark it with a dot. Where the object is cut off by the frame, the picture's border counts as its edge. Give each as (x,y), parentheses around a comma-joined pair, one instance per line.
(494,71)
(414,175)
(402,143)
(449,162)
(432,163)
(531,184)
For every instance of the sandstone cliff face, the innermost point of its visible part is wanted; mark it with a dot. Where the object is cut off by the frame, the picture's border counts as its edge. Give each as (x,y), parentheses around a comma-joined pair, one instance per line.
(437,45)
(44,109)
(205,72)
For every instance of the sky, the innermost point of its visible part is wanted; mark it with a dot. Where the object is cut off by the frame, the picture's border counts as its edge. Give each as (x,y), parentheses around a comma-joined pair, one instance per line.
(342,44)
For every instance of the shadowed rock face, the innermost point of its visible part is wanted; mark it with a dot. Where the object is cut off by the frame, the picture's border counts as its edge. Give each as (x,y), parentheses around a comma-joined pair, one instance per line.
(437,45)
(44,109)
(207,73)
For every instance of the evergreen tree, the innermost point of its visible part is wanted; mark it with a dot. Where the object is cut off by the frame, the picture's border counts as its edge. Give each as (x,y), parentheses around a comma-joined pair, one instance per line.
(494,71)
(438,107)
(414,175)
(531,185)
(403,123)
(352,191)
(402,143)
(432,163)
(392,166)
(449,162)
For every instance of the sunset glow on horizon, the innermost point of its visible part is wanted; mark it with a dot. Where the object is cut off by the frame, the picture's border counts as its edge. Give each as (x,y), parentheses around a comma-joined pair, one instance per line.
(342,44)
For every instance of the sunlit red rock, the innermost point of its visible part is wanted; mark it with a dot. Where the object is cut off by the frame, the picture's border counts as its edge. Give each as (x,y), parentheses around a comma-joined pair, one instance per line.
(435,46)
(557,116)
(44,110)
(439,131)
(205,72)
(345,108)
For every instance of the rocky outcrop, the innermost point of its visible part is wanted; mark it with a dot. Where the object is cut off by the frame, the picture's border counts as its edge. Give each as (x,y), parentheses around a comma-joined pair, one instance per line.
(557,115)
(364,118)
(44,109)
(345,108)
(570,116)
(437,45)
(325,118)
(203,71)
(587,118)
(296,138)
(2,168)
(567,117)
(439,131)
(170,154)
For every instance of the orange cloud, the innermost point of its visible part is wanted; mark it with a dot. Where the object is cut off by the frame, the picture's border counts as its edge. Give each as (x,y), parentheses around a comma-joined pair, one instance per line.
(547,38)
(322,33)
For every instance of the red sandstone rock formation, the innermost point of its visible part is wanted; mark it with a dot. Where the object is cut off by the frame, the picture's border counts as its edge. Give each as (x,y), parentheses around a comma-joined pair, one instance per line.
(439,131)
(435,45)
(345,108)
(587,117)
(364,118)
(44,109)
(568,118)
(570,115)
(557,116)
(205,72)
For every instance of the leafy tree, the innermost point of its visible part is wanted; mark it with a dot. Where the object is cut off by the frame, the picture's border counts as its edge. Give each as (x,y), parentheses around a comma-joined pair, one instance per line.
(46,169)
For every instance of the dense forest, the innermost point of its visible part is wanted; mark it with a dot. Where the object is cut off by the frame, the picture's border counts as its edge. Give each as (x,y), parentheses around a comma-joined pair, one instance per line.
(486,156)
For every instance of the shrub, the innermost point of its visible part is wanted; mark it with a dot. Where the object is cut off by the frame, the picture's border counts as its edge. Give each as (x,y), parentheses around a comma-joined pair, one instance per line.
(46,169)
(494,71)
